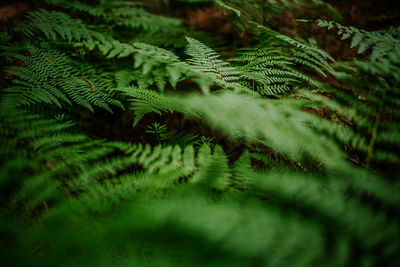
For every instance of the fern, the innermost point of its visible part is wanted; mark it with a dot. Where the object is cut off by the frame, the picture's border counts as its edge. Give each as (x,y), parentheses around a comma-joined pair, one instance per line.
(254,119)
(50,77)
(80,186)
(382,43)
(206,60)
(123,13)
(55,24)
(173,137)
(158,67)
(132,16)
(269,70)
(146,101)
(374,111)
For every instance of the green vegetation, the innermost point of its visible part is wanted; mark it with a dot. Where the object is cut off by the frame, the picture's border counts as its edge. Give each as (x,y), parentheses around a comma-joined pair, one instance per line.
(130,138)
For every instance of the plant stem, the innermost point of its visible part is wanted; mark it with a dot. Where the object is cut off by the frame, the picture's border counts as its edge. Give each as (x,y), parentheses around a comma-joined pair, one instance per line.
(370,150)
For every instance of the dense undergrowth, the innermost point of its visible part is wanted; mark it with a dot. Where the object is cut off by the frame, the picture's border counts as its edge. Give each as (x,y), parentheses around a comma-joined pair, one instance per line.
(129,137)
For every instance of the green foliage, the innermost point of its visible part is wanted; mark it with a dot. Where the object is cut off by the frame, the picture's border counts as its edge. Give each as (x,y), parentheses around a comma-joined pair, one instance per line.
(270,69)
(206,60)
(174,137)
(147,101)
(52,77)
(54,24)
(271,66)
(383,43)
(373,113)
(261,121)
(225,164)
(122,13)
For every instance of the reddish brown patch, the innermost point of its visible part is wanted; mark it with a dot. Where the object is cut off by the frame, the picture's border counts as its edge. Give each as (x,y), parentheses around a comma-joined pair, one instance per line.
(287,23)
(321,112)
(210,19)
(50,165)
(13,10)
(334,117)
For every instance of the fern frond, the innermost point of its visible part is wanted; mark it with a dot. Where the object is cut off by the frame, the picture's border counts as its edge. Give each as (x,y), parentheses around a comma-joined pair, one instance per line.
(49,76)
(251,118)
(264,123)
(146,101)
(382,43)
(123,13)
(54,24)
(270,174)
(271,67)
(158,66)
(205,59)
